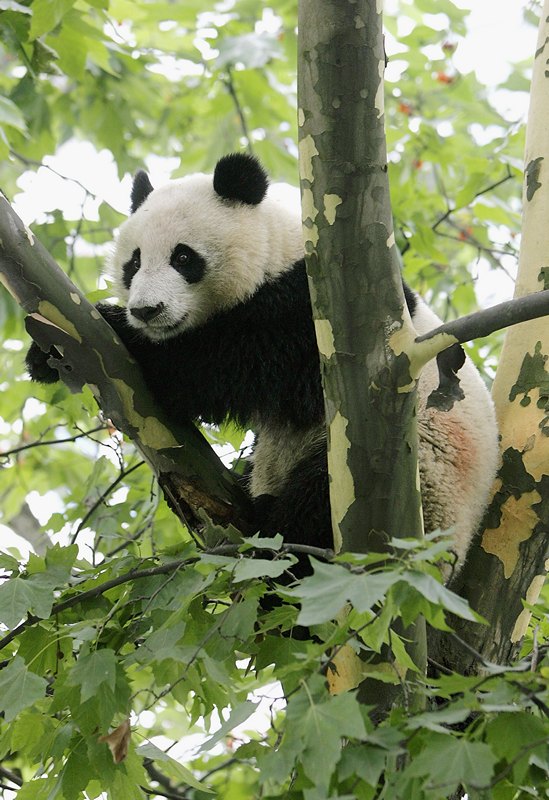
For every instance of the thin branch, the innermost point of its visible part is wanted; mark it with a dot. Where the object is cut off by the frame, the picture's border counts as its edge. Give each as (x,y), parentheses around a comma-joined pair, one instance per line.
(231,88)
(481,323)
(44,442)
(31,162)
(97,591)
(137,574)
(100,500)
(448,213)
(163,793)
(10,776)
(168,790)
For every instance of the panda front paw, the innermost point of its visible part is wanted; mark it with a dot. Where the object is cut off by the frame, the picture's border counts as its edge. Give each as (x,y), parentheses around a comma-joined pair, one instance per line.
(38,368)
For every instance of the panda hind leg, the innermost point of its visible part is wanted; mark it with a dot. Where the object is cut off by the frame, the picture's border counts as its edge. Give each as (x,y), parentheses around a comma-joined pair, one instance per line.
(301,510)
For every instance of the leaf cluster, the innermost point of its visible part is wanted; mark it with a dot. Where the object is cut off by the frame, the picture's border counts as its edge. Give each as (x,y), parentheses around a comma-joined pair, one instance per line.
(193,646)
(189,645)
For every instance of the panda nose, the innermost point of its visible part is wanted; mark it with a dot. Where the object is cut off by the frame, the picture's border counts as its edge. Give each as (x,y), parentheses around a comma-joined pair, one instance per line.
(147,313)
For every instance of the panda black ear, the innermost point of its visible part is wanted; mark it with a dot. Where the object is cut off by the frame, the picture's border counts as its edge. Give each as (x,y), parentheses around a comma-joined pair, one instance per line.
(241,177)
(141,189)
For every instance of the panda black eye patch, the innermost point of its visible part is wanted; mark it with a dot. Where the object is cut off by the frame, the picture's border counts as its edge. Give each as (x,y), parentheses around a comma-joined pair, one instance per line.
(131,267)
(188,263)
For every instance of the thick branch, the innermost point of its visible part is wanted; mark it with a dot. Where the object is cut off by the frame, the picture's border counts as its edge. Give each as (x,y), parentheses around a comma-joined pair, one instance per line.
(188,470)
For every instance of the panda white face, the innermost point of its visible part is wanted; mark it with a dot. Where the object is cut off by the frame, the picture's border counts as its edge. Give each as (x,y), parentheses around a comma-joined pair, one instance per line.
(201,244)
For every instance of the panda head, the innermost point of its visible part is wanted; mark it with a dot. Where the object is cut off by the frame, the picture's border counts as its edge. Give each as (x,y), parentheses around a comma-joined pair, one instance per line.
(201,244)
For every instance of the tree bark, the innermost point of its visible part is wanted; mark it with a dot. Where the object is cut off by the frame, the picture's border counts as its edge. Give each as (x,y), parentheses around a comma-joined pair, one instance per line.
(356,287)
(354,274)
(507,565)
(188,470)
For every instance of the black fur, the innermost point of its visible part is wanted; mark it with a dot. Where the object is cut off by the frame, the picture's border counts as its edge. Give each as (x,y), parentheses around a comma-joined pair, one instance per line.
(237,364)
(255,362)
(188,263)
(141,189)
(131,267)
(240,177)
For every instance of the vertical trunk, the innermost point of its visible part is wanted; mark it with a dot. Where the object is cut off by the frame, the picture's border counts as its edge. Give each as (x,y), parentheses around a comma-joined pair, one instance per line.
(508,564)
(354,274)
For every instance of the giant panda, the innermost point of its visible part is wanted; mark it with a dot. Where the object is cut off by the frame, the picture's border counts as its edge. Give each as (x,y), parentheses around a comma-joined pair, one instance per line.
(216,311)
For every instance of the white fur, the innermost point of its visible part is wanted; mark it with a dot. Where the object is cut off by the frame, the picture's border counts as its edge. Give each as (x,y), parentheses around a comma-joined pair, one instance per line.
(458,451)
(242,245)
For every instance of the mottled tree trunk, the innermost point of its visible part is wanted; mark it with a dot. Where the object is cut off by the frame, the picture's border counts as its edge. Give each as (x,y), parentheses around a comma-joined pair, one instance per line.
(355,282)
(507,566)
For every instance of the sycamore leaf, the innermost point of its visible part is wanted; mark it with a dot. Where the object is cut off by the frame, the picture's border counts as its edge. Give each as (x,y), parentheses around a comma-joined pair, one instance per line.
(248,568)
(171,766)
(327,721)
(92,670)
(11,115)
(436,593)
(238,715)
(21,595)
(19,688)
(468,763)
(46,14)
(324,593)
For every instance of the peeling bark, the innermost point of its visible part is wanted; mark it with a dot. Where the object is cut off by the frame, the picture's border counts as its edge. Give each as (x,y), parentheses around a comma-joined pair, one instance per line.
(356,291)
(354,273)
(508,563)
(188,470)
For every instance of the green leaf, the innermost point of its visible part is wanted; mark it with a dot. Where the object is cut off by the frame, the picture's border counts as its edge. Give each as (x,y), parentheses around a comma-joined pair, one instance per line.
(331,586)
(171,766)
(238,715)
(10,115)
(92,670)
(436,593)
(327,720)
(162,644)
(18,596)
(46,14)
(19,688)
(248,568)
(526,730)
(469,763)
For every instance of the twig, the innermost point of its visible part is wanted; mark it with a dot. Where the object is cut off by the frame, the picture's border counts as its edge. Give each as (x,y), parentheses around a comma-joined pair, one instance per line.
(162,793)
(229,83)
(448,213)
(44,442)
(10,776)
(102,499)
(134,575)
(168,789)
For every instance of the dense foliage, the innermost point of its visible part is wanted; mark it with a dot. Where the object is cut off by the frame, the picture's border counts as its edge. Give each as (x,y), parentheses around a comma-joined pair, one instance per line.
(117,613)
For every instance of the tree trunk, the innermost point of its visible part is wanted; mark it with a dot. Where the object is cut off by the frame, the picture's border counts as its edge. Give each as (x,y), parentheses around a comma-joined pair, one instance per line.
(356,287)
(507,564)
